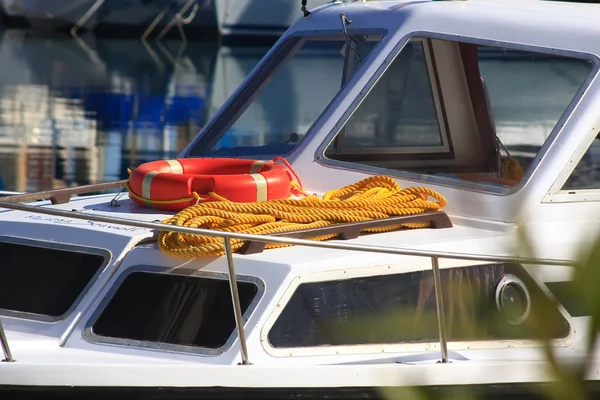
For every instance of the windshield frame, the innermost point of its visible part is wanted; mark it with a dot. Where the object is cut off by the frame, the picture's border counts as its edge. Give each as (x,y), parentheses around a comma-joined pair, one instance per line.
(557,131)
(260,77)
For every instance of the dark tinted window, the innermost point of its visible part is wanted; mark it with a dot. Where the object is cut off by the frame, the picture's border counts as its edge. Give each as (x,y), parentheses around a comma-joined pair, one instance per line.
(401,308)
(175,309)
(41,280)
(587,172)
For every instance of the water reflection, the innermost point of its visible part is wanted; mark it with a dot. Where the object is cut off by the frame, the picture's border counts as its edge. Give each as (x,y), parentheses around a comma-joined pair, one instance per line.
(83,112)
(76,113)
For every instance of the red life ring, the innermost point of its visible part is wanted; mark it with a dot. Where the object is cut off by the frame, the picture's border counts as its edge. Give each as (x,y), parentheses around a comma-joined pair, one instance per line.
(172,184)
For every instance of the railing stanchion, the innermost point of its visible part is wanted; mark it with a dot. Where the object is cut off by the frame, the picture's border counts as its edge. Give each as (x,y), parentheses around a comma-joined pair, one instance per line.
(235,297)
(439,303)
(5,348)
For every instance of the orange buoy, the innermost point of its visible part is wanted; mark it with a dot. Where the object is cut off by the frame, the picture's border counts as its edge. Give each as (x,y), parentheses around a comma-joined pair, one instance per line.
(176,184)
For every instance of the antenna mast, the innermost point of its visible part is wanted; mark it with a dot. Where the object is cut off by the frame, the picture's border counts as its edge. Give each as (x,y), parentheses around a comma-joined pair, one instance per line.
(304,10)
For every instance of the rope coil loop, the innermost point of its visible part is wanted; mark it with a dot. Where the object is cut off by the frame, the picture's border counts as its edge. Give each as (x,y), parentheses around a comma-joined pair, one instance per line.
(372,198)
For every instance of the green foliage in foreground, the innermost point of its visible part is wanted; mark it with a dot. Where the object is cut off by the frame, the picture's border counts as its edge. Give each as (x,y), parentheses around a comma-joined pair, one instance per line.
(569,378)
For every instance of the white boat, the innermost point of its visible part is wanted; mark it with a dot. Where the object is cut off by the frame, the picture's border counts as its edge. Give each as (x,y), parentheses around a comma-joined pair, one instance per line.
(100,296)
(268,18)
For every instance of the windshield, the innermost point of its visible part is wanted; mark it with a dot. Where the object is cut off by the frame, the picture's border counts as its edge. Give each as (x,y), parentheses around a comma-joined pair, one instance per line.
(276,109)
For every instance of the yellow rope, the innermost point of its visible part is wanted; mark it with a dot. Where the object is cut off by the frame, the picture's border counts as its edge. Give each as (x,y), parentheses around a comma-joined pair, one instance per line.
(511,169)
(372,198)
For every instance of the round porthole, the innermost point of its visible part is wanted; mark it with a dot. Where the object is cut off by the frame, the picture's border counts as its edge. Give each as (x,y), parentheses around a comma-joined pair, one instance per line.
(512,299)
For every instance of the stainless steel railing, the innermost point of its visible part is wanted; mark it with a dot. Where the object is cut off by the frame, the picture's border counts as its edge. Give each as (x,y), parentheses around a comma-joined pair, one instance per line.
(434,256)
(5,348)
(4,193)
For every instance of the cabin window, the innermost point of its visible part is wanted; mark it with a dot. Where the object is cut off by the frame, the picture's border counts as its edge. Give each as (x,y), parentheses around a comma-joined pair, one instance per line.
(445,111)
(44,282)
(401,308)
(400,115)
(173,309)
(274,111)
(587,172)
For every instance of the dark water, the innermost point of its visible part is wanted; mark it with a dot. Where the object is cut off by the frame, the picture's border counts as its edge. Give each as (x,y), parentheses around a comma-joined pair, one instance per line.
(78,112)
(83,112)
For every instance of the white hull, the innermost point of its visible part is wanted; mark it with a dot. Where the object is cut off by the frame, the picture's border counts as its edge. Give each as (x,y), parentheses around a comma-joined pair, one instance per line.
(456,373)
(66,353)
(259,17)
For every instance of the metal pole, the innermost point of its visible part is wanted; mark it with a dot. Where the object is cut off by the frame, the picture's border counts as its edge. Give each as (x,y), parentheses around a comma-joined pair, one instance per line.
(5,348)
(151,27)
(235,297)
(86,16)
(174,20)
(439,302)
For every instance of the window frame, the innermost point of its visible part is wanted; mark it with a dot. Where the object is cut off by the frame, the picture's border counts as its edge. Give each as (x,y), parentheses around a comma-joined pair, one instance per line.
(320,154)
(379,270)
(427,151)
(90,337)
(69,247)
(239,101)
(557,193)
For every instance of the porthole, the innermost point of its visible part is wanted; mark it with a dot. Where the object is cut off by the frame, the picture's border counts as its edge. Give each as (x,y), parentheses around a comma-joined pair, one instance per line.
(513,300)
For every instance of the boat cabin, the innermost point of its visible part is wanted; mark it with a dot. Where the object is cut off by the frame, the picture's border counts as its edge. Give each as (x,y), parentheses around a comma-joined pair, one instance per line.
(495,105)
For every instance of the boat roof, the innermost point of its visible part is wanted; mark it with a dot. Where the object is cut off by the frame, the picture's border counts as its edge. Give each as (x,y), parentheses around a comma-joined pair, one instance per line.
(555,25)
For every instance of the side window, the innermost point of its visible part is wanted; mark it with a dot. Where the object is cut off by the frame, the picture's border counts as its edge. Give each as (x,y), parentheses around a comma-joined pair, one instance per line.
(484,302)
(587,172)
(172,309)
(529,92)
(45,282)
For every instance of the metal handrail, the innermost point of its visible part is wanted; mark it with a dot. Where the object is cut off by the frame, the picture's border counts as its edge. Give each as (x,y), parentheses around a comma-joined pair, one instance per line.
(434,256)
(88,14)
(4,193)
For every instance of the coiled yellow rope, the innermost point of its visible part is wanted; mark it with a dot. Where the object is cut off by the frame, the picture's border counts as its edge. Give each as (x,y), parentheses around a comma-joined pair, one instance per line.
(511,169)
(372,198)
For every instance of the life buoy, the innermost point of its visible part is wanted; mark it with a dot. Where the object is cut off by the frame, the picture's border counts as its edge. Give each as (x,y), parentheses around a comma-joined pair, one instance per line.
(176,184)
